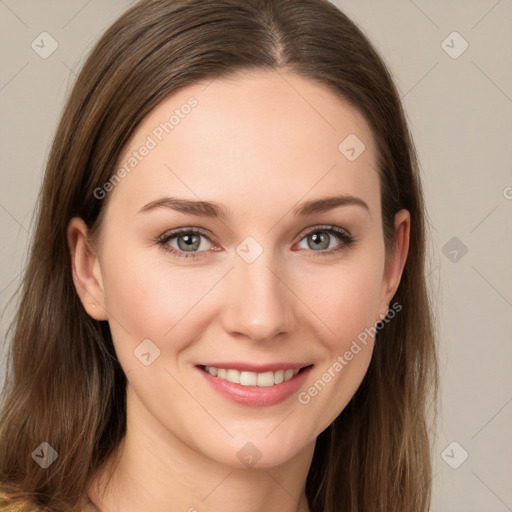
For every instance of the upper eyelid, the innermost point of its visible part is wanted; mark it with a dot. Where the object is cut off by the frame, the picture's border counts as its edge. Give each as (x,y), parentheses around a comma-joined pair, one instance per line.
(325,227)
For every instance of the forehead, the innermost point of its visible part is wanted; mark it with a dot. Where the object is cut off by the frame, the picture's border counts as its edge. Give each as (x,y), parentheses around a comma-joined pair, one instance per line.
(254,138)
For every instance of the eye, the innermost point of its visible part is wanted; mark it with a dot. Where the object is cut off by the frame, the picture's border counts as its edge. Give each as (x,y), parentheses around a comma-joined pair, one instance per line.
(322,240)
(191,242)
(185,242)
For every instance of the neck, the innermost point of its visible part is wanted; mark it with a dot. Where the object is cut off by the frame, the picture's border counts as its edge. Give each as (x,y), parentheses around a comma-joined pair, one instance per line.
(158,472)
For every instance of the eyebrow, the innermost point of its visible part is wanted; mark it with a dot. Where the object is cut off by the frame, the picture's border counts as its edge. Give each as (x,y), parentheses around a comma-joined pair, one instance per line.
(216,210)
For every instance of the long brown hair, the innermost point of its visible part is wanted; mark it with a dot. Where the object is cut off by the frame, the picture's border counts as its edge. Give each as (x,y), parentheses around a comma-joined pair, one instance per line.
(64,384)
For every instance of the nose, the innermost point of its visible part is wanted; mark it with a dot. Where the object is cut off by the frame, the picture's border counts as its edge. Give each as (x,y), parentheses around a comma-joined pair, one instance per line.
(258,302)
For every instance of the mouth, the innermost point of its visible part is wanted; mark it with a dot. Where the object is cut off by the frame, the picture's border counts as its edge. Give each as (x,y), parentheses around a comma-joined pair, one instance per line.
(251,378)
(255,385)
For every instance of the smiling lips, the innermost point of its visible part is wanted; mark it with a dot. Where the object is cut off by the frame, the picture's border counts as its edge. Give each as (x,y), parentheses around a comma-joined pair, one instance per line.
(255,385)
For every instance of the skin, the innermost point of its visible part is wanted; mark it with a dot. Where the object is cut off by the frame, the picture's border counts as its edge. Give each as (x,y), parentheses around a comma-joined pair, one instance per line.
(258,143)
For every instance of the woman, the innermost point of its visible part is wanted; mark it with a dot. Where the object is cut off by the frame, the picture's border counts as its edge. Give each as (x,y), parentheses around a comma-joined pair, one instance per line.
(225,304)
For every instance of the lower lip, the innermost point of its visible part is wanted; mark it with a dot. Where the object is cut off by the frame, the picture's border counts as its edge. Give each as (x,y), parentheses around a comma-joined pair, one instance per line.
(257,396)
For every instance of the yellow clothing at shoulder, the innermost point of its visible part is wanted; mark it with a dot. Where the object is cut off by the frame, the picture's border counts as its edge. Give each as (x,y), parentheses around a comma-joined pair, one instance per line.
(7,505)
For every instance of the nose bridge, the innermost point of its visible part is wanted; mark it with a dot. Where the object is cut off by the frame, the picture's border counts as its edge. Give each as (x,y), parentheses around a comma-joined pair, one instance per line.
(257,304)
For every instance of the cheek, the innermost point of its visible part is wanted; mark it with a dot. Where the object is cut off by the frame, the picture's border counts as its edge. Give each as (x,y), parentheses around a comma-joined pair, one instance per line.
(347,304)
(144,299)
(346,298)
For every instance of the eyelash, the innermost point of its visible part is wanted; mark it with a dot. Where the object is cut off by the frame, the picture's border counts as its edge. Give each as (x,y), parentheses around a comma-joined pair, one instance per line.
(341,234)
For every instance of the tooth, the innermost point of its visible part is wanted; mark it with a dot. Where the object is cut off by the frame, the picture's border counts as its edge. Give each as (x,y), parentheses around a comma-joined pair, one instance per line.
(288,374)
(211,370)
(248,378)
(233,376)
(266,379)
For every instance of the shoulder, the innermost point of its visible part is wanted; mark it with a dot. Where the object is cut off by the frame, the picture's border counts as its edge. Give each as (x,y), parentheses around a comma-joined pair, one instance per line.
(11,503)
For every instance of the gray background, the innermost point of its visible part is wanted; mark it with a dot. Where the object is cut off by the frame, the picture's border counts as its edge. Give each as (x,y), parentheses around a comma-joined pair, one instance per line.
(460,112)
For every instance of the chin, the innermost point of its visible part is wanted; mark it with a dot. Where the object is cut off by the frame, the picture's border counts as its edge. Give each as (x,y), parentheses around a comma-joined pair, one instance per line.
(258,450)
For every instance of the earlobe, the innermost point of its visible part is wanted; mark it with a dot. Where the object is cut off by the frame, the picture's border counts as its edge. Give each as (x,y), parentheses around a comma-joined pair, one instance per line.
(86,270)
(396,262)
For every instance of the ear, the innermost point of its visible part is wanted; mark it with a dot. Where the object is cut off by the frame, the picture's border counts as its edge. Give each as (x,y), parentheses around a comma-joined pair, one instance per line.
(86,270)
(396,262)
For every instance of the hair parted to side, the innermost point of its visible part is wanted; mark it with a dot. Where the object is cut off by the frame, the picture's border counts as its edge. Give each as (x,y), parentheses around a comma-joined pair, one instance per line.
(64,384)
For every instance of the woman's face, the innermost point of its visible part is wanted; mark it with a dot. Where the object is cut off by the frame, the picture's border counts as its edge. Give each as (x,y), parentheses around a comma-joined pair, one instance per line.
(268,279)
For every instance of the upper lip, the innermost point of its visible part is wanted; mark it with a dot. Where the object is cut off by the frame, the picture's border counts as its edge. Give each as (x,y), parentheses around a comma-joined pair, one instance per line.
(256,368)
